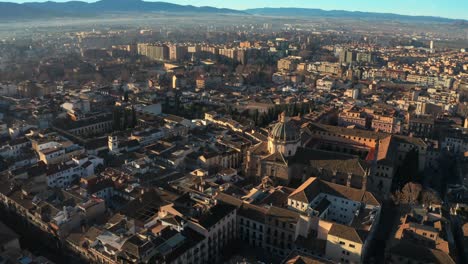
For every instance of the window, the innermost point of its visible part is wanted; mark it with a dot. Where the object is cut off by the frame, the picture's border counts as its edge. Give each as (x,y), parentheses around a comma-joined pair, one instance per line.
(342,243)
(352,246)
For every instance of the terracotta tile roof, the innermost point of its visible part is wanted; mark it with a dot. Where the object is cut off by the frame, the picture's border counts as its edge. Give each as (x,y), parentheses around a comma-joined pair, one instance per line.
(347,131)
(229,199)
(420,253)
(276,157)
(283,214)
(306,192)
(330,161)
(254,212)
(214,215)
(348,233)
(312,187)
(260,149)
(300,259)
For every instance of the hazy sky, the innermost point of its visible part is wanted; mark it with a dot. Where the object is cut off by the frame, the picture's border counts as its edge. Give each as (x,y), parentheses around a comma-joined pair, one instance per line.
(443,8)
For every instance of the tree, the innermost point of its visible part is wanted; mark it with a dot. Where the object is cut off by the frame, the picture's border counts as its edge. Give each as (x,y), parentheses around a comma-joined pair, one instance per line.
(429,196)
(116,119)
(177,101)
(125,120)
(134,117)
(409,194)
(409,170)
(256,116)
(166,104)
(414,193)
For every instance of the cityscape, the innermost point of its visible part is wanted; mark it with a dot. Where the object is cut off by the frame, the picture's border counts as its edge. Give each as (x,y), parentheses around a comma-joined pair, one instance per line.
(244,132)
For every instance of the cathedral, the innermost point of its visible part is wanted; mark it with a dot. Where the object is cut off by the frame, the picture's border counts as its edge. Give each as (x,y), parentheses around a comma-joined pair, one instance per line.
(362,159)
(271,158)
(291,153)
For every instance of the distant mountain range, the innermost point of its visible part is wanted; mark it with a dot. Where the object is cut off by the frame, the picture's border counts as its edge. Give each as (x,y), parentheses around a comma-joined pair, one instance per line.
(310,12)
(34,10)
(9,11)
(78,8)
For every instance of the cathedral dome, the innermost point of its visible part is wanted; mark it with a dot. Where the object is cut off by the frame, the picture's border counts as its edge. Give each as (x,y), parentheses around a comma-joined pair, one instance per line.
(285,130)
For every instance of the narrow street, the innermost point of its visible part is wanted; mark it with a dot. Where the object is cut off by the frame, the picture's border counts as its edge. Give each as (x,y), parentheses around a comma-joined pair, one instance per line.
(36,241)
(386,223)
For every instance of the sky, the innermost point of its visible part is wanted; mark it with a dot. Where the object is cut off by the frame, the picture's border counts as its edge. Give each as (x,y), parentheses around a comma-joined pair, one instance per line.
(443,8)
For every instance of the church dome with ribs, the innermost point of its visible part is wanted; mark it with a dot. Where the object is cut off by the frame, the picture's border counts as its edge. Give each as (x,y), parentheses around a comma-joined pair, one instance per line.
(285,130)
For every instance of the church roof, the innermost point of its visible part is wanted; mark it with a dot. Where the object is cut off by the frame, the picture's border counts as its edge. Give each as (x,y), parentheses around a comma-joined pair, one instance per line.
(285,130)
(276,157)
(312,187)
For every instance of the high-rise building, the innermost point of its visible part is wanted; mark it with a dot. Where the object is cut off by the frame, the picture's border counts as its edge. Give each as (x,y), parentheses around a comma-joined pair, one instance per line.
(365,57)
(242,56)
(177,53)
(288,64)
(34,89)
(209,51)
(267,26)
(282,44)
(228,53)
(347,56)
(195,49)
(245,44)
(350,56)
(153,51)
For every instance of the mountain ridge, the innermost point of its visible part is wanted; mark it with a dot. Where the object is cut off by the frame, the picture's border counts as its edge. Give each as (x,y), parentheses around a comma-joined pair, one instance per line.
(33,10)
(304,12)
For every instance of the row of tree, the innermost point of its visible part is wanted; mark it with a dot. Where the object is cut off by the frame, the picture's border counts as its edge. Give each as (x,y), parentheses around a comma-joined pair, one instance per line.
(263,119)
(408,171)
(191,110)
(124,118)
